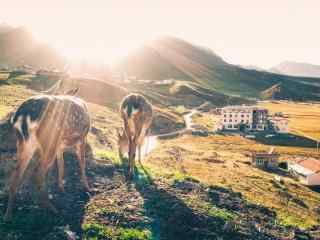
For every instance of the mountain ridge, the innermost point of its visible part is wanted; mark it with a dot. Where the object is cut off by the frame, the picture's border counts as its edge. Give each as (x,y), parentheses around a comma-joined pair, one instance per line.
(18,47)
(297,69)
(169,57)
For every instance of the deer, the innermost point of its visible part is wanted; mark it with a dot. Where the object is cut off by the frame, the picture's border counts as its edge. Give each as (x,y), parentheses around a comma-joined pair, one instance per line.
(48,124)
(136,113)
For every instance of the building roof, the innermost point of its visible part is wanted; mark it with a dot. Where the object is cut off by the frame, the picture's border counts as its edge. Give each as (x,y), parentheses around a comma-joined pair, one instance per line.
(312,165)
(279,119)
(266,154)
(243,108)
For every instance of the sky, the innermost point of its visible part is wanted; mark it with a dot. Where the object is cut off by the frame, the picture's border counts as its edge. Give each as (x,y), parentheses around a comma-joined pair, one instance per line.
(247,32)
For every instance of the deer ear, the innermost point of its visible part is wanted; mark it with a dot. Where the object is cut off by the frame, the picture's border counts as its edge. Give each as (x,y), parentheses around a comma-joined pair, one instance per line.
(72,92)
(118,133)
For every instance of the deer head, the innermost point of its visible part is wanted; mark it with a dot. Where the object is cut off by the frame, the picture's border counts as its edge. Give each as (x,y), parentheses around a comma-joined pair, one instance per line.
(62,87)
(123,142)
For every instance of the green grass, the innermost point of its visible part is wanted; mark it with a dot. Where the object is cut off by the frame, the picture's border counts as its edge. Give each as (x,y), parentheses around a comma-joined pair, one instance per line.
(287,219)
(108,155)
(11,96)
(96,231)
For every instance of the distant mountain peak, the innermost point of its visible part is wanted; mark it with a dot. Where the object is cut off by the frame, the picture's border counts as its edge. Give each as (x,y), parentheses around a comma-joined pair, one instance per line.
(297,69)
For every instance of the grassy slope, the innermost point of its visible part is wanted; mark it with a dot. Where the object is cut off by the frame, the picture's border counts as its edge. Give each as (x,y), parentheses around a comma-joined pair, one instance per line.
(184,93)
(148,209)
(223,161)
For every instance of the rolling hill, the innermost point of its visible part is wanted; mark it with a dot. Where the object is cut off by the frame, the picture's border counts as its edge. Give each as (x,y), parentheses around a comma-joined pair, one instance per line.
(18,47)
(297,69)
(170,57)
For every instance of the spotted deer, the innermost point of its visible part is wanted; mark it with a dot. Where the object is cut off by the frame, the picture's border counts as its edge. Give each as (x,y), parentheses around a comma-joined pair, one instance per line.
(136,113)
(48,124)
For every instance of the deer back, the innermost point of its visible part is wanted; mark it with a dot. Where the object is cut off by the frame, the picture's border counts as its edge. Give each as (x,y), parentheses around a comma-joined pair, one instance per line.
(137,112)
(52,117)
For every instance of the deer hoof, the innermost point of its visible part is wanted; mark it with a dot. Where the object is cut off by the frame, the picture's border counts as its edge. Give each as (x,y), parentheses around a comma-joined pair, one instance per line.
(130,176)
(48,205)
(61,188)
(7,217)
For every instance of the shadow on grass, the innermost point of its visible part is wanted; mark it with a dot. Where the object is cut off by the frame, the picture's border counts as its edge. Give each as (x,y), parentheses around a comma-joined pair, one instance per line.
(186,209)
(32,222)
(290,140)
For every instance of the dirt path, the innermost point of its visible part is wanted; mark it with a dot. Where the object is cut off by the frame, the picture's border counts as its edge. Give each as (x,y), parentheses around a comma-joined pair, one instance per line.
(152,141)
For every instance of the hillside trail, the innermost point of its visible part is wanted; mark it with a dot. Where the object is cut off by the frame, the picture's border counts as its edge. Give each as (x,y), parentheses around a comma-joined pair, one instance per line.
(153,140)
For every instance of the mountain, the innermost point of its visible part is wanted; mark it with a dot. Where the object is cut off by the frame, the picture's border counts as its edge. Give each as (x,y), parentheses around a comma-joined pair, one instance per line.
(18,47)
(297,69)
(169,57)
(5,28)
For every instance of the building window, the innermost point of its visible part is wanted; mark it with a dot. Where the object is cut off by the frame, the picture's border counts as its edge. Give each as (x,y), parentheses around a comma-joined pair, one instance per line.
(225,115)
(230,115)
(230,120)
(242,115)
(225,120)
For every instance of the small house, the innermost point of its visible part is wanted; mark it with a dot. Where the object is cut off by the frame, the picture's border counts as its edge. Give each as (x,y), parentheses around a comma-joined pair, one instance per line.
(266,160)
(307,171)
(280,125)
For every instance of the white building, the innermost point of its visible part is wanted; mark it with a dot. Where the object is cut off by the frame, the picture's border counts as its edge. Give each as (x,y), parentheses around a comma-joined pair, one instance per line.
(307,171)
(280,125)
(253,118)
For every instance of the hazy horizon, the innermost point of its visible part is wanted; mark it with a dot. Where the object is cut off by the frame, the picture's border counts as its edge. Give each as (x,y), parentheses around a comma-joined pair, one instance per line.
(247,33)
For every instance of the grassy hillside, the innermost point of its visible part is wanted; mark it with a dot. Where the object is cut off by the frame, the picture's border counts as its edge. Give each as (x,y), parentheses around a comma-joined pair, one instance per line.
(209,190)
(184,93)
(174,58)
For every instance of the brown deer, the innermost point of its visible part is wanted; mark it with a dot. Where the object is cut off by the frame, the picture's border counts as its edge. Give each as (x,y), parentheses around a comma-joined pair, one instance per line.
(48,124)
(136,113)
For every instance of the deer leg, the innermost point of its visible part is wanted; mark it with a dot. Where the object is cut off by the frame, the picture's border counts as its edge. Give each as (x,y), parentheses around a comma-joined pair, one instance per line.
(60,163)
(45,162)
(80,150)
(132,156)
(139,154)
(24,155)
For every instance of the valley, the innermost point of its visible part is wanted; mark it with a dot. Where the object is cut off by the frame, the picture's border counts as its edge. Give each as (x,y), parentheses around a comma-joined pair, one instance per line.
(206,184)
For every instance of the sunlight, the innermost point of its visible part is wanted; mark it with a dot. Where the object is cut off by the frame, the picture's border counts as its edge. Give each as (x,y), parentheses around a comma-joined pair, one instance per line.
(103,35)
(99,52)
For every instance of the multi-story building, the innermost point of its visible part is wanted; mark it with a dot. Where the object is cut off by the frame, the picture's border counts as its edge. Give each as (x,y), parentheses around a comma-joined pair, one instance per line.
(249,117)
